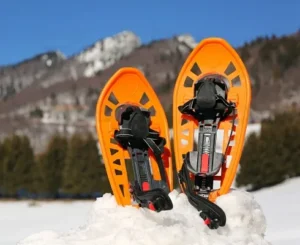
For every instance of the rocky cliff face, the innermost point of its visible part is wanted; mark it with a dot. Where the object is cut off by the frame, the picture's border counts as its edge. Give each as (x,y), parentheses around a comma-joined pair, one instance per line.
(107,52)
(52,92)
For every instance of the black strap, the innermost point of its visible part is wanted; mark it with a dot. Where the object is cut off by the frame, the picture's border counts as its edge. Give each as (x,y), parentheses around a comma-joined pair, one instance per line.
(188,108)
(211,107)
(159,198)
(157,151)
(136,133)
(207,103)
(207,209)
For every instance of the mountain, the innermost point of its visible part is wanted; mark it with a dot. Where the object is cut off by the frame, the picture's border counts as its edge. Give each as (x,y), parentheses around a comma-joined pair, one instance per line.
(47,69)
(273,64)
(51,92)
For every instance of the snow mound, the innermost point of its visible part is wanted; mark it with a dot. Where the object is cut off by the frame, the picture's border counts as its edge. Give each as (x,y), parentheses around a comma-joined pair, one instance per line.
(111,224)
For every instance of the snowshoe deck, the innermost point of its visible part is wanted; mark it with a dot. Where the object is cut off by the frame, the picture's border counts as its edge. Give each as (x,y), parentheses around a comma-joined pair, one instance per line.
(133,133)
(212,94)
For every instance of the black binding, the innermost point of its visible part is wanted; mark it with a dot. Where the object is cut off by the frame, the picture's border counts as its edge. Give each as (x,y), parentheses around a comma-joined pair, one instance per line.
(209,106)
(212,214)
(137,137)
(207,102)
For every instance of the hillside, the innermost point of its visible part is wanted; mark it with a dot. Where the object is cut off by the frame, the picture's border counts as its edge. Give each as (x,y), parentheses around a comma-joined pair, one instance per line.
(51,92)
(273,64)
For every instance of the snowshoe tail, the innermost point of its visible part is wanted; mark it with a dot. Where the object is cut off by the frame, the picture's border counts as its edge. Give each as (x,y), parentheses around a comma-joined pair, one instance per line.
(211,97)
(133,134)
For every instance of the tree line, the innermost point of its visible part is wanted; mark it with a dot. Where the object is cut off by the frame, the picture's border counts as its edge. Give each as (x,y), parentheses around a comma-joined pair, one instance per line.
(273,155)
(69,168)
(73,168)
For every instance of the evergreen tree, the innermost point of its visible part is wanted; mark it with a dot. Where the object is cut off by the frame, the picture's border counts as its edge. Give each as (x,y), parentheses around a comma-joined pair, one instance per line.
(72,170)
(18,163)
(169,115)
(176,183)
(94,170)
(84,174)
(51,165)
(273,156)
(1,167)
(250,167)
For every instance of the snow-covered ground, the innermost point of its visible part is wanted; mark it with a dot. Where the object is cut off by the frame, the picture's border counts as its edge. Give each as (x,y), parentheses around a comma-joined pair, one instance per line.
(280,205)
(272,212)
(110,224)
(20,219)
(102,222)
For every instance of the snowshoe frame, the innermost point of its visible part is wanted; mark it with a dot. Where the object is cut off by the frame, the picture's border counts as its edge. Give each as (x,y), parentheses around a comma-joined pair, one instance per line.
(212,57)
(129,86)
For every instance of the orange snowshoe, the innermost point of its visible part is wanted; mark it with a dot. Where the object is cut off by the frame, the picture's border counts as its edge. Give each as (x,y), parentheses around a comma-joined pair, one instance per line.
(133,134)
(211,103)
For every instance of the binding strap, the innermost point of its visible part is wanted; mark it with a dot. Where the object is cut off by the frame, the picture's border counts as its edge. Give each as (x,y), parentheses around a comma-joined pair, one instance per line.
(207,101)
(135,132)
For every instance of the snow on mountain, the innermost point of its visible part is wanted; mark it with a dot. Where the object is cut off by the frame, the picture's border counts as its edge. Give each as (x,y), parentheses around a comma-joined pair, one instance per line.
(48,59)
(112,225)
(106,52)
(15,78)
(188,40)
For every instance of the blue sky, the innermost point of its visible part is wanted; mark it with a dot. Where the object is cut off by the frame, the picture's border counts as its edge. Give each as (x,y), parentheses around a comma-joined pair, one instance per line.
(30,27)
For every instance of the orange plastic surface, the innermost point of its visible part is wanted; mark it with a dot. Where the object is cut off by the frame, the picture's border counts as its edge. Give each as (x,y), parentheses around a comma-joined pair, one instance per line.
(213,56)
(128,85)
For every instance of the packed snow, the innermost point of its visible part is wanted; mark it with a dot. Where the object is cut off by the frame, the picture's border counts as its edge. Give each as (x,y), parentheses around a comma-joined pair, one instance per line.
(281,207)
(110,224)
(91,222)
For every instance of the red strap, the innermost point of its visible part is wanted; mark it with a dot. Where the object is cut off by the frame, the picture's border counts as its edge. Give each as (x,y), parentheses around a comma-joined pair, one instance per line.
(207,221)
(151,206)
(204,163)
(145,186)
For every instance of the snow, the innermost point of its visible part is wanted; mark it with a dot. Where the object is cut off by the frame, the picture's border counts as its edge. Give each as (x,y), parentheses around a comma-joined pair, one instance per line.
(106,52)
(60,55)
(251,128)
(20,219)
(97,222)
(281,207)
(188,40)
(112,224)
(49,62)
